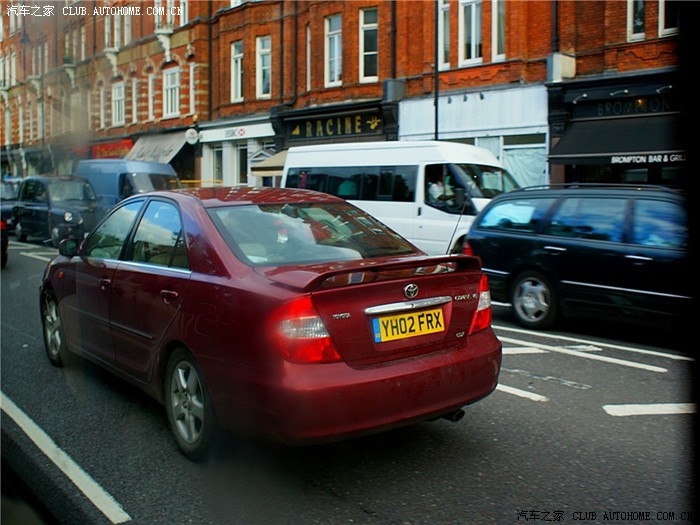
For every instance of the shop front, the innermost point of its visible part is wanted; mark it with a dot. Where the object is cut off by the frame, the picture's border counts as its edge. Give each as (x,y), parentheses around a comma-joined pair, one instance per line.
(617,131)
(230,148)
(509,122)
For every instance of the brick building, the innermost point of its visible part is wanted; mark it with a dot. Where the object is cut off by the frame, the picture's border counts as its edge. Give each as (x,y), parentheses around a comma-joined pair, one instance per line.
(216,87)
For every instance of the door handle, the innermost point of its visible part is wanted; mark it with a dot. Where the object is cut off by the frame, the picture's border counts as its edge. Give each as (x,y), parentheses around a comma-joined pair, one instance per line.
(554,248)
(168,295)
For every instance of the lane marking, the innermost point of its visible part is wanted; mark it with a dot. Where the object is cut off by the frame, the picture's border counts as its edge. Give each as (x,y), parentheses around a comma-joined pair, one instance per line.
(520,350)
(594,357)
(650,409)
(36,256)
(551,379)
(100,498)
(521,393)
(587,341)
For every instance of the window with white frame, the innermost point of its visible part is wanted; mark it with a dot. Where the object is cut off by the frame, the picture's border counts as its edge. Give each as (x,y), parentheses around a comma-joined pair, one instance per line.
(2,70)
(103,96)
(83,42)
(443,34)
(118,110)
(636,19)
(183,13)
(134,100)
(498,30)
(237,71)
(369,45)
(108,32)
(669,17)
(151,96)
(263,67)
(171,92)
(333,51)
(127,29)
(470,44)
(117,39)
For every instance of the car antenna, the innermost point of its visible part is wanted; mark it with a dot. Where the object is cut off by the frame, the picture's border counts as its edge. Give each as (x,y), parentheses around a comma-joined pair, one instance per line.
(454,232)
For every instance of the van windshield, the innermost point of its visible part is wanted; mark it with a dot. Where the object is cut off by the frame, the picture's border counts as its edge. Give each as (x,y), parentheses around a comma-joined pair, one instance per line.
(143,182)
(483,181)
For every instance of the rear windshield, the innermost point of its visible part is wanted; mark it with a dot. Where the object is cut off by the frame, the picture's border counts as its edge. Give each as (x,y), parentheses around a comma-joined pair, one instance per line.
(286,234)
(71,190)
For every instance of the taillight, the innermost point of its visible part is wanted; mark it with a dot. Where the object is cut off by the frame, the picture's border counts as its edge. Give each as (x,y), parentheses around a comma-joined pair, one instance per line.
(482,316)
(3,225)
(466,249)
(301,335)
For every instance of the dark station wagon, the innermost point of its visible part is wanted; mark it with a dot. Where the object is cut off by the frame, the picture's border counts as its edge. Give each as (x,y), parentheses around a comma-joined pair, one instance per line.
(612,251)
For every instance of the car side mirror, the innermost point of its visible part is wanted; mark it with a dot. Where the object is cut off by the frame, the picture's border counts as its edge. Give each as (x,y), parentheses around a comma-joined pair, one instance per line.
(68,247)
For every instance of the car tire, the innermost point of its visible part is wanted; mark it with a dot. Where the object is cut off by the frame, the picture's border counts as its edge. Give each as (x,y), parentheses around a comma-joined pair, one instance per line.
(19,232)
(54,341)
(188,406)
(533,300)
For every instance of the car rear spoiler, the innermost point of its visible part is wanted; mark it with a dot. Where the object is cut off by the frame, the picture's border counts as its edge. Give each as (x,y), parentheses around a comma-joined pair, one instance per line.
(327,275)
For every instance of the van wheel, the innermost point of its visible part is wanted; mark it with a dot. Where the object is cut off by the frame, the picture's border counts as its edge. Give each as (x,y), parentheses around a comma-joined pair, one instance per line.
(534,300)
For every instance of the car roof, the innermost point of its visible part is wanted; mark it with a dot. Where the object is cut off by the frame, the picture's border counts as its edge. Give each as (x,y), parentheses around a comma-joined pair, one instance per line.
(219,196)
(572,188)
(52,178)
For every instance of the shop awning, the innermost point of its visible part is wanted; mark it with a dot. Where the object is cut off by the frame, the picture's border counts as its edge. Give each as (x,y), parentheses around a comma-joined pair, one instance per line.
(157,148)
(271,166)
(628,140)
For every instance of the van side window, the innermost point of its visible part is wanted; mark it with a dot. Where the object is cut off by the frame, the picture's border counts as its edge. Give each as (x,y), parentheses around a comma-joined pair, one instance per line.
(659,223)
(368,183)
(517,215)
(589,218)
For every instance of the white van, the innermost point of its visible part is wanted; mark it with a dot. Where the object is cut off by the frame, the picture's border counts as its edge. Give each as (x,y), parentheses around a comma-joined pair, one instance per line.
(428,191)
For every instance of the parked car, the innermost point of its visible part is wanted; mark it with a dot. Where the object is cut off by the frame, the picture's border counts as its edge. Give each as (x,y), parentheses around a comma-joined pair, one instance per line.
(54,208)
(4,239)
(116,179)
(611,251)
(287,314)
(8,196)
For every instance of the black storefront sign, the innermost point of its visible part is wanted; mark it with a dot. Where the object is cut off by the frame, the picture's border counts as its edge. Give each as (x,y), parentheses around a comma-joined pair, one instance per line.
(339,126)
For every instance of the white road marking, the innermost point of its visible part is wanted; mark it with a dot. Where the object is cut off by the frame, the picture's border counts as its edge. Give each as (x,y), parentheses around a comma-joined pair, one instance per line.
(36,256)
(586,355)
(82,480)
(586,341)
(650,409)
(520,350)
(521,393)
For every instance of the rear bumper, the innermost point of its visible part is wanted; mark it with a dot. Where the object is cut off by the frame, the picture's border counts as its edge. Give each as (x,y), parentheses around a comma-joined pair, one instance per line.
(326,402)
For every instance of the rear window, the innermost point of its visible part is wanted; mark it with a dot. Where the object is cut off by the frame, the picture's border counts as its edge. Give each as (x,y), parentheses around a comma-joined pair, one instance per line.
(286,234)
(659,223)
(143,182)
(523,215)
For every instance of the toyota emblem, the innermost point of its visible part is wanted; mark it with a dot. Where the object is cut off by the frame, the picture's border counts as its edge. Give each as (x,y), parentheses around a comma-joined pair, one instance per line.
(411,291)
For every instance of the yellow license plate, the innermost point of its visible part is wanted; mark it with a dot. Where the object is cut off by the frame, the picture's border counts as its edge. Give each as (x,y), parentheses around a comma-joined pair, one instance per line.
(391,327)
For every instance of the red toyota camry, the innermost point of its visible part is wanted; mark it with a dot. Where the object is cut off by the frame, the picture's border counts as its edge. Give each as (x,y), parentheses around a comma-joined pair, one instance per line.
(287,314)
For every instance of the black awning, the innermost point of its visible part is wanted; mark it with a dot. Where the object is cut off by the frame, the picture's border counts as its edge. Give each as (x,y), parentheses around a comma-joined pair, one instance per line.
(627,140)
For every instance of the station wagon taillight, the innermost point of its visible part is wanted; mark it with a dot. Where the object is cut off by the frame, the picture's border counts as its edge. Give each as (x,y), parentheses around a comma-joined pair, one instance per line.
(482,316)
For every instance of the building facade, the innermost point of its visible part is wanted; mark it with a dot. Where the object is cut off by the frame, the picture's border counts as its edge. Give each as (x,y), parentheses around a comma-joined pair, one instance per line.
(559,91)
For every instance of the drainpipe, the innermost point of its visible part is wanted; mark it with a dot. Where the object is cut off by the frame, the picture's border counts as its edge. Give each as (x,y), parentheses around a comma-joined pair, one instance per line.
(435,66)
(393,39)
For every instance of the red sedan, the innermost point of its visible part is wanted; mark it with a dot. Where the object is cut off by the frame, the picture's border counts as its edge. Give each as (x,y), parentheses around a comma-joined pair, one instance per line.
(287,314)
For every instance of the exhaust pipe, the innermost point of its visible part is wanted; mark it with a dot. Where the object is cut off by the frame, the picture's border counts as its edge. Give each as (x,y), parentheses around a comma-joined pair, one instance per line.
(454,416)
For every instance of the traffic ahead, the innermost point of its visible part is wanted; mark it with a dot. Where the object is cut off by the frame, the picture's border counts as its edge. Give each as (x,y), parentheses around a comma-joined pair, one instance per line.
(583,427)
